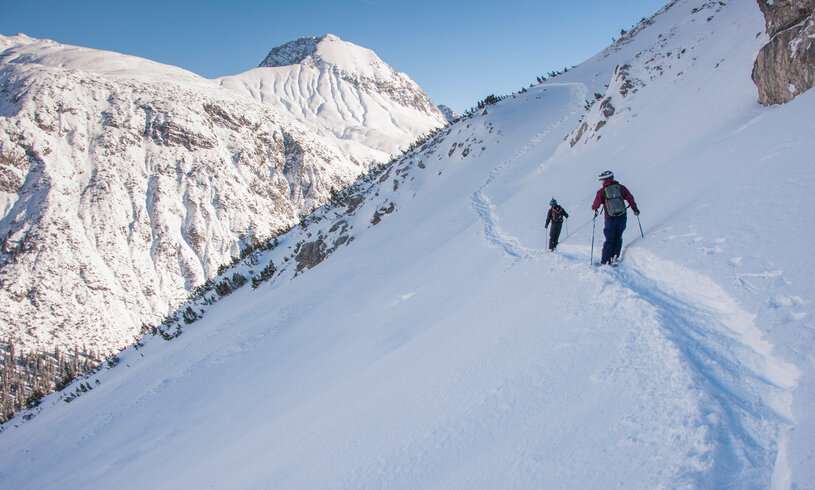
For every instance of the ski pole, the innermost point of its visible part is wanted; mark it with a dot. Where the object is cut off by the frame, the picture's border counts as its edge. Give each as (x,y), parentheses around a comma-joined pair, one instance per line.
(567,227)
(593,224)
(640,223)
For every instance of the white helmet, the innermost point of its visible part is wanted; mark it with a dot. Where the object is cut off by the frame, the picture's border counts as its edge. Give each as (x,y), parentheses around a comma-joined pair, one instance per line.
(608,174)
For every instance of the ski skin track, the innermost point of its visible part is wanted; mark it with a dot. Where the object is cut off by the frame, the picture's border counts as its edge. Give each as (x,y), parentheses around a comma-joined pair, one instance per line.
(483,206)
(717,339)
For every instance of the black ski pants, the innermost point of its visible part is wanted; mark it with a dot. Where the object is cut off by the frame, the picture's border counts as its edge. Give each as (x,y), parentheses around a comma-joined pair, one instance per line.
(554,234)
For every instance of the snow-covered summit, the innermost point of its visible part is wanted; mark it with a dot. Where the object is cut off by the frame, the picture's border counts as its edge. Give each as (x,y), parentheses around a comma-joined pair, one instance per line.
(329,50)
(343,92)
(293,52)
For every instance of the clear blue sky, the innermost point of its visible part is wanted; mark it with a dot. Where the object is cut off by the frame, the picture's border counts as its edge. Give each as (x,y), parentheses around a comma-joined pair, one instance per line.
(459,51)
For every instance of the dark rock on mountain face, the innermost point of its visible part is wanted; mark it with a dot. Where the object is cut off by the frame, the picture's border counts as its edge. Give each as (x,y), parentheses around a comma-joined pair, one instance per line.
(785,67)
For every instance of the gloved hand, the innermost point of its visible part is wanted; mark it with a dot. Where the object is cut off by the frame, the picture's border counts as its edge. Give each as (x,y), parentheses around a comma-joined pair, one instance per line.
(546,226)
(595,212)
(636,212)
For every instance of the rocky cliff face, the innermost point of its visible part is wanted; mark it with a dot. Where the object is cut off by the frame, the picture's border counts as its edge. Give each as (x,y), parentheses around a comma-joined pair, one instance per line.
(785,67)
(125,184)
(783,14)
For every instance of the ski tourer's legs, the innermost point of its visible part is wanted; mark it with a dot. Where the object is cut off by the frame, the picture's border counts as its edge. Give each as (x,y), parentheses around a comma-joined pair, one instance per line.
(613,231)
(554,235)
(618,242)
(609,233)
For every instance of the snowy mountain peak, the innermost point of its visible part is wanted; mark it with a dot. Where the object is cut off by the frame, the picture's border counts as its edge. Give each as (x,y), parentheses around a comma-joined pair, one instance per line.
(292,53)
(20,38)
(344,93)
(329,50)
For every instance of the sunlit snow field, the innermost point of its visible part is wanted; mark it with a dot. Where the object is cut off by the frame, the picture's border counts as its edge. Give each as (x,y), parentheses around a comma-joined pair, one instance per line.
(446,348)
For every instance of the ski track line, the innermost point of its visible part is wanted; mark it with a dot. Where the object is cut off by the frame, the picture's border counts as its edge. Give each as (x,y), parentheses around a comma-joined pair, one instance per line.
(746,391)
(484,208)
(747,388)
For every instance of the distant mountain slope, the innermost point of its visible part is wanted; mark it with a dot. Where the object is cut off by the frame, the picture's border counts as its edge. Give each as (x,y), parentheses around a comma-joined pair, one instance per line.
(449,114)
(345,94)
(416,333)
(125,184)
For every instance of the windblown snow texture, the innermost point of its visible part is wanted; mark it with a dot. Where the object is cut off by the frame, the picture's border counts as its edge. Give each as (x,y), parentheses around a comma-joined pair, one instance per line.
(345,94)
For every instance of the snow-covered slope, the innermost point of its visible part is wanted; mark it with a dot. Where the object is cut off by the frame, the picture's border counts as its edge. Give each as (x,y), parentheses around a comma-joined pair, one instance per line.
(443,347)
(345,94)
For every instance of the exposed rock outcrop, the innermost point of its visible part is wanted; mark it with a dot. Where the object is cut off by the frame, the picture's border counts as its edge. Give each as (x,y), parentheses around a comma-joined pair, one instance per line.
(310,254)
(598,115)
(783,14)
(785,67)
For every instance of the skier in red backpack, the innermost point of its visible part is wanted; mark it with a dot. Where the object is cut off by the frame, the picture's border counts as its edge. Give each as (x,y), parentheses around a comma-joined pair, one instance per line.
(612,196)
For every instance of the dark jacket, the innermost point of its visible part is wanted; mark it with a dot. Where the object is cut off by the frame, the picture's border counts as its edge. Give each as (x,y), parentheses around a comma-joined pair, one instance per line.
(556,214)
(600,198)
